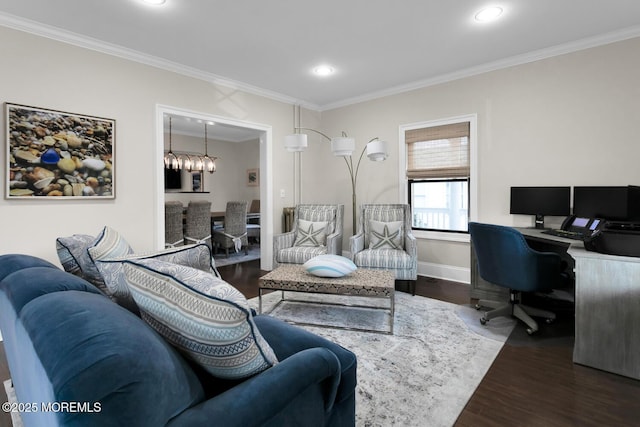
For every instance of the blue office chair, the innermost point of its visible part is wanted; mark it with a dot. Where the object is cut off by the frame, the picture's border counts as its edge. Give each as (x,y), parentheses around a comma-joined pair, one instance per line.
(505,259)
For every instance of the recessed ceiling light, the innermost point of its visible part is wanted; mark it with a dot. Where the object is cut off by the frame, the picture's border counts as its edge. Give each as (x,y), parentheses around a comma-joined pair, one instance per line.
(489,14)
(323,70)
(155,2)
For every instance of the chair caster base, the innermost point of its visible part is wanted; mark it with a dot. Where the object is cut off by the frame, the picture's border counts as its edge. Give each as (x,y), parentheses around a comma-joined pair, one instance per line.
(483,321)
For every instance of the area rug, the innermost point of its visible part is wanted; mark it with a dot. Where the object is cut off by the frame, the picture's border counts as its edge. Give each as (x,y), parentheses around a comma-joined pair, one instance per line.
(237,257)
(423,374)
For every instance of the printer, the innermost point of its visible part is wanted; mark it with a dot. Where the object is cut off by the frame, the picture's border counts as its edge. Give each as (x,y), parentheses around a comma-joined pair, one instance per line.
(616,238)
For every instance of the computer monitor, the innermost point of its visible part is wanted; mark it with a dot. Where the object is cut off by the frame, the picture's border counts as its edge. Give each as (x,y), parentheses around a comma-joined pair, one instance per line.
(616,203)
(541,201)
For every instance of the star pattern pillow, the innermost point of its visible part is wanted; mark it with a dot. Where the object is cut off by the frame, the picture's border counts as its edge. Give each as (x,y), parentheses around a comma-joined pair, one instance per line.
(386,235)
(311,233)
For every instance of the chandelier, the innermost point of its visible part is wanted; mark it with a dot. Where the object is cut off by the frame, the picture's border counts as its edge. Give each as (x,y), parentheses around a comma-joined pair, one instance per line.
(190,161)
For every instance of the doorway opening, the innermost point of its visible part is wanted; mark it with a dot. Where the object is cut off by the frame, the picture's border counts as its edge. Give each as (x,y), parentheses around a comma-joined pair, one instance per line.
(226,129)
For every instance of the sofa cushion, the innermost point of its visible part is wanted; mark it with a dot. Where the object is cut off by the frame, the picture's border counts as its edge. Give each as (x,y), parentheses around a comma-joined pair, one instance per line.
(206,318)
(92,350)
(29,283)
(386,234)
(330,265)
(196,256)
(311,233)
(10,263)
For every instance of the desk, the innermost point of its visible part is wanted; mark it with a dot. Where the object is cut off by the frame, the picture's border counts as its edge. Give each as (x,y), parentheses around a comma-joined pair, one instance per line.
(607,312)
(607,302)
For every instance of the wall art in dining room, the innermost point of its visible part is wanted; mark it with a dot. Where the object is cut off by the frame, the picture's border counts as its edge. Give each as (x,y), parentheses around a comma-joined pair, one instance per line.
(54,155)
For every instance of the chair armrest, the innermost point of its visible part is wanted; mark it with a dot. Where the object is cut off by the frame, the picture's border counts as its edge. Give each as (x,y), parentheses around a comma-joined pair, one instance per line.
(334,243)
(356,244)
(282,241)
(255,401)
(411,245)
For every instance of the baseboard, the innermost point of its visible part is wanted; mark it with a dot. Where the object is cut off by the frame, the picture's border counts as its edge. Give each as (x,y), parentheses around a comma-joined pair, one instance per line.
(444,272)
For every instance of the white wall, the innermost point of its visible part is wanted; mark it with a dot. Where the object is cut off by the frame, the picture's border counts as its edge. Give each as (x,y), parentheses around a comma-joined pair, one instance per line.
(44,73)
(568,120)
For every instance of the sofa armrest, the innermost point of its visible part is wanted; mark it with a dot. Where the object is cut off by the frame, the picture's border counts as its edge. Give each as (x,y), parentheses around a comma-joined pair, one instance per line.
(260,399)
(356,244)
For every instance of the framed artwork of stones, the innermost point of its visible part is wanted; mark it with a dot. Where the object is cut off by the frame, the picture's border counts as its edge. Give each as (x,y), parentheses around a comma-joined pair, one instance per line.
(55,155)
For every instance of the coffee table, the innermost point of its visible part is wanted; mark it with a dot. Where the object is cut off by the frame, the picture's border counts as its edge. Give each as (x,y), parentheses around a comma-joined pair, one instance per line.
(360,283)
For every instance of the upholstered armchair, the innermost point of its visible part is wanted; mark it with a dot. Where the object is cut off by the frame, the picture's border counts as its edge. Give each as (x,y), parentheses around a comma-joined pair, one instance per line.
(317,230)
(384,241)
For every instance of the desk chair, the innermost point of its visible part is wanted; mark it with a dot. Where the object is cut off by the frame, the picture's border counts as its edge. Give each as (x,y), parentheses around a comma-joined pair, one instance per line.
(505,259)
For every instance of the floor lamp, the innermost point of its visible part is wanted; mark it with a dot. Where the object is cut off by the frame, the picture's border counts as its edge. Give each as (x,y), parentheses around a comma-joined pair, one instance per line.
(341,146)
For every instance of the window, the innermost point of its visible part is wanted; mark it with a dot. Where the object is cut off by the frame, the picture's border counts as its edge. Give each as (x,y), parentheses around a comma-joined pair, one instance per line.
(441,205)
(438,175)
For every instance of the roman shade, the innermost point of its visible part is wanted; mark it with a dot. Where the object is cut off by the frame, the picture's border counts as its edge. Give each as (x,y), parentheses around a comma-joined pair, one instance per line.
(438,151)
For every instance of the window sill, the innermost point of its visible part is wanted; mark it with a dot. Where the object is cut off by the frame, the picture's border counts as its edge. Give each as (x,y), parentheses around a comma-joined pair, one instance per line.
(441,235)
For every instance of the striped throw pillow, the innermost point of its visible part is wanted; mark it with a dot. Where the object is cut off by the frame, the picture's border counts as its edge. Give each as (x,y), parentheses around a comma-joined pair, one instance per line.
(203,316)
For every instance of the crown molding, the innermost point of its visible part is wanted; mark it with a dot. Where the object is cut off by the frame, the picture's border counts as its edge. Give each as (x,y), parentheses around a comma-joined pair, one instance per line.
(587,43)
(54,33)
(47,31)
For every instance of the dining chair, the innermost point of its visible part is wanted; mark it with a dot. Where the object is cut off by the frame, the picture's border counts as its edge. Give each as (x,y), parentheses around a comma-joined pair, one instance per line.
(173,227)
(234,233)
(198,227)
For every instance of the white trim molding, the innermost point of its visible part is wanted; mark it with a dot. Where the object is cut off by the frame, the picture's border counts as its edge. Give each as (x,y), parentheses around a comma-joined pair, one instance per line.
(473,176)
(266,174)
(444,272)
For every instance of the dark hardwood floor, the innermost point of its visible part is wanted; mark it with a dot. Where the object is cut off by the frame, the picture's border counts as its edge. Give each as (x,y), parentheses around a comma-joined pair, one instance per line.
(532,382)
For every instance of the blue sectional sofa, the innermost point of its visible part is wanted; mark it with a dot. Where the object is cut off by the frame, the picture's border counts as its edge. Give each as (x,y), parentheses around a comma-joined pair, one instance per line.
(78,359)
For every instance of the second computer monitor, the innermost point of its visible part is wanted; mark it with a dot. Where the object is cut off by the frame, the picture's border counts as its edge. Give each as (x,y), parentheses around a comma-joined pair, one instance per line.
(611,203)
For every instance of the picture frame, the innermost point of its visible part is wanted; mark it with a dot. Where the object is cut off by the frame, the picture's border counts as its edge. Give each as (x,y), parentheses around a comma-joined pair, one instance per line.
(253,177)
(196,182)
(57,155)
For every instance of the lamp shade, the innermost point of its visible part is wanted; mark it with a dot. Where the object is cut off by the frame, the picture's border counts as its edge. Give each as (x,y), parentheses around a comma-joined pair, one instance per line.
(342,145)
(295,142)
(377,150)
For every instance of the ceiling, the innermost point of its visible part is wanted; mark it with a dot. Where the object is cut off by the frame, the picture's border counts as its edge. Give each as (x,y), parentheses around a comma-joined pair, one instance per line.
(377,47)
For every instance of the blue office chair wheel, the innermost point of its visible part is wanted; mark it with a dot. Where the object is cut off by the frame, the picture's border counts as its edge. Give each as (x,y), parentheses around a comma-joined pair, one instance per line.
(478,306)
(483,321)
